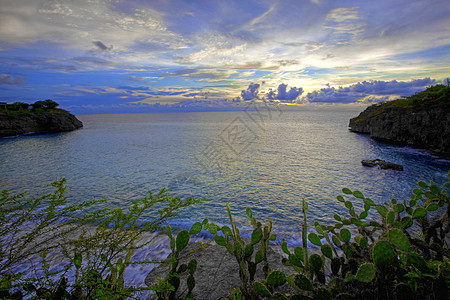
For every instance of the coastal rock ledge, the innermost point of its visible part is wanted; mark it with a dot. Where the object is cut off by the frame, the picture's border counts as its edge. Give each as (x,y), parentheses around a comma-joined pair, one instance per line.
(420,121)
(54,121)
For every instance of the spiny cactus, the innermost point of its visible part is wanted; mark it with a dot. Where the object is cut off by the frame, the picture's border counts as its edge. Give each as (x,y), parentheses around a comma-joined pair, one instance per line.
(366,272)
(399,239)
(345,235)
(182,240)
(276,278)
(261,289)
(382,253)
(315,262)
(303,283)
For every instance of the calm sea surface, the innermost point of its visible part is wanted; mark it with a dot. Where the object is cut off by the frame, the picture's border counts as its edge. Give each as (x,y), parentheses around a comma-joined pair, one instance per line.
(267,160)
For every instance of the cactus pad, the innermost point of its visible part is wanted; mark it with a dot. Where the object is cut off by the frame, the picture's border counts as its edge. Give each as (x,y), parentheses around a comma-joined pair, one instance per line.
(256,236)
(382,253)
(366,272)
(196,228)
(315,262)
(261,289)
(279,296)
(345,235)
(302,282)
(399,239)
(313,238)
(327,251)
(276,278)
(182,240)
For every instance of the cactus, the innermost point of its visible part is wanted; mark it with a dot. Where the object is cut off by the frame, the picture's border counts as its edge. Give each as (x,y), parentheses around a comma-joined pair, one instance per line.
(257,235)
(382,253)
(335,266)
(323,294)
(345,235)
(276,278)
(419,213)
(261,289)
(414,259)
(279,296)
(366,272)
(196,228)
(182,240)
(326,250)
(313,238)
(315,262)
(399,239)
(303,283)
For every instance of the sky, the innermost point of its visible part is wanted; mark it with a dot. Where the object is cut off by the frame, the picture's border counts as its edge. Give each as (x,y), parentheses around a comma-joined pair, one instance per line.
(100,56)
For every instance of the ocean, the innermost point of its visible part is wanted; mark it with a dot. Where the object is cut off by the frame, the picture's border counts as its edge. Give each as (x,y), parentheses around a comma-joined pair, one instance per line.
(266,159)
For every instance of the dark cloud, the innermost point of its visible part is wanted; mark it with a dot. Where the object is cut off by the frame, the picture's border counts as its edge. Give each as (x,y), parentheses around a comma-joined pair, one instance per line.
(251,92)
(283,94)
(101,46)
(9,80)
(377,89)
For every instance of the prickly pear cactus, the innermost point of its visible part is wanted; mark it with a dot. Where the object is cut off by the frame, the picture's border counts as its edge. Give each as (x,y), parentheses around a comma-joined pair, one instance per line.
(302,282)
(316,262)
(276,278)
(182,240)
(399,239)
(382,253)
(366,272)
(261,289)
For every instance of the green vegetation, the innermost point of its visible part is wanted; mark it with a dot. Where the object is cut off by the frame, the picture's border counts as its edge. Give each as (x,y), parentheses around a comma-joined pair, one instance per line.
(390,250)
(432,96)
(25,109)
(44,227)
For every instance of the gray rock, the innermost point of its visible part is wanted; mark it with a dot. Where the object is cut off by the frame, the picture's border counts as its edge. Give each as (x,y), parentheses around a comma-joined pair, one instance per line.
(382,164)
(426,127)
(55,121)
(217,271)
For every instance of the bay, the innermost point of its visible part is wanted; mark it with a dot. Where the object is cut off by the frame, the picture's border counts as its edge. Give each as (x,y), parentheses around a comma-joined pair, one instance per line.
(266,160)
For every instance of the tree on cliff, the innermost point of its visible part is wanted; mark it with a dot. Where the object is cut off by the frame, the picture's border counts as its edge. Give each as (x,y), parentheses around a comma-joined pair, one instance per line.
(47,104)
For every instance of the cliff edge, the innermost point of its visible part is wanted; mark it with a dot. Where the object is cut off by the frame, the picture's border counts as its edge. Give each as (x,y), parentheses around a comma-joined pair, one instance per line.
(18,119)
(421,121)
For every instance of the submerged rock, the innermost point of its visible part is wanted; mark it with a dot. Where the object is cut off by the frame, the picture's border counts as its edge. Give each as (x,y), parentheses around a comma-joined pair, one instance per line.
(382,164)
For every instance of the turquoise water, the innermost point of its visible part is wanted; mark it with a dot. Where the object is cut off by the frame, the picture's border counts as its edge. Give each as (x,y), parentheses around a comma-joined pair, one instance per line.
(268,162)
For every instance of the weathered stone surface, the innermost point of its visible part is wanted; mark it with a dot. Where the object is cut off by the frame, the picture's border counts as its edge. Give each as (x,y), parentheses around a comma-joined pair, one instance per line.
(217,272)
(55,121)
(425,127)
(382,164)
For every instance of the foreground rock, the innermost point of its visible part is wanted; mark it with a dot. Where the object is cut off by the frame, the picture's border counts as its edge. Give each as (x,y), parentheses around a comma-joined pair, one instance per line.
(421,121)
(382,164)
(54,121)
(217,272)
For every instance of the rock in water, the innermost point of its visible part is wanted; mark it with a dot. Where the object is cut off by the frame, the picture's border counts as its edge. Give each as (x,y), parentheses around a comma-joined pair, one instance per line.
(382,164)
(421,121)
(54,121)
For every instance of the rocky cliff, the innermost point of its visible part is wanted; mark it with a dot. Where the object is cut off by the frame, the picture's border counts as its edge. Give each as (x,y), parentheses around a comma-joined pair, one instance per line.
(421,121)
(51,121)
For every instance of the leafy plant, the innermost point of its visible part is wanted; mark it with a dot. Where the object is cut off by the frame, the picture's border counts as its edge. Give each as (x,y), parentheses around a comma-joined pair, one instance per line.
(41,227)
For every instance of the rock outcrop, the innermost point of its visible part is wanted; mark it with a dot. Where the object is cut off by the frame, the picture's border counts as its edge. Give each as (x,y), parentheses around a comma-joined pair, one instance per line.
(421,121)
(382,164)
(51,121)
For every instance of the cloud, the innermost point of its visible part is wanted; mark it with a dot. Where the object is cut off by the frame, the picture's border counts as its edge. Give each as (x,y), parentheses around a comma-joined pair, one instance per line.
(251,92)
(369,91)
(284,95)
(9,80)
(101,46)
